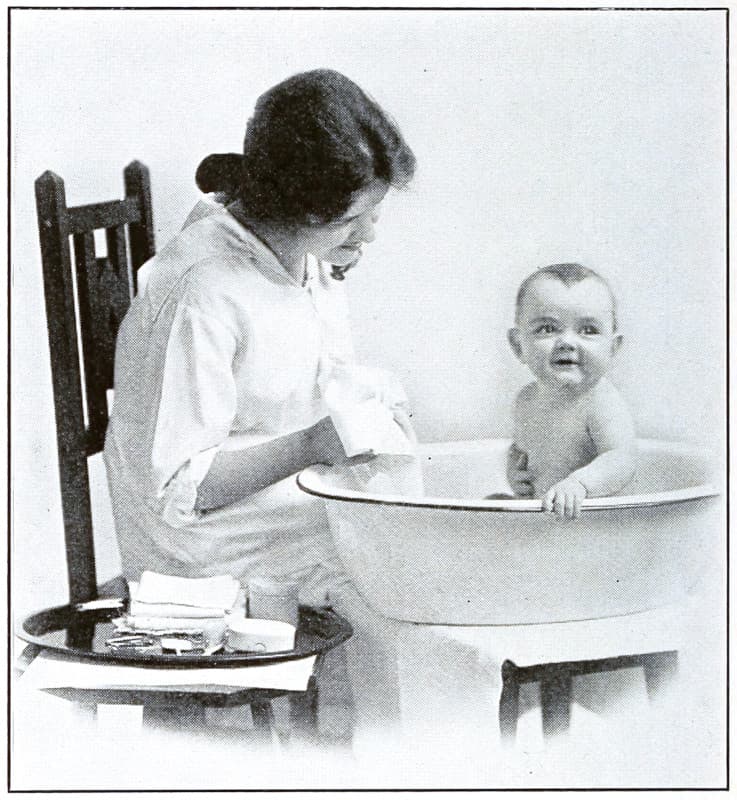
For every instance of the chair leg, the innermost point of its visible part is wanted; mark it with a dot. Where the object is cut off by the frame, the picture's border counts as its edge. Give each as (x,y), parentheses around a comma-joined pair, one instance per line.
(303,711)
(509,702)
(660,669)
(263,723)
(555,698)
(262,713)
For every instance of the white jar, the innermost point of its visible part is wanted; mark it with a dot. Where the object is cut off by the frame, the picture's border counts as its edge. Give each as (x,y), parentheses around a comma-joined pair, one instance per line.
(271,598)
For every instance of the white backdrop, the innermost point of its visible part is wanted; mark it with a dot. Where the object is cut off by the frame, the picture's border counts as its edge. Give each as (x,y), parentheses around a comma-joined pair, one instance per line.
(541,136)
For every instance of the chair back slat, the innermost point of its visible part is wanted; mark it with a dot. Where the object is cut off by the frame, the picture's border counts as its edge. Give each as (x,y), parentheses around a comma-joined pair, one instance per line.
(140,233)
(97,342)
(67,383)
(86,300)
(119,276)
(97,216)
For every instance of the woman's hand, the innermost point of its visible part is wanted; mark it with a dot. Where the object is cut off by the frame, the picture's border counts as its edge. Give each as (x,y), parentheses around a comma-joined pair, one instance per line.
(564,499)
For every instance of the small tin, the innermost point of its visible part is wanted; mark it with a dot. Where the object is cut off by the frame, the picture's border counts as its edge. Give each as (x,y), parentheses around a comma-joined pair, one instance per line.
(272,598)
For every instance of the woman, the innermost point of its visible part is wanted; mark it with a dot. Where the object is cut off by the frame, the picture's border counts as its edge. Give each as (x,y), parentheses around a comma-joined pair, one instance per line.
(217,403)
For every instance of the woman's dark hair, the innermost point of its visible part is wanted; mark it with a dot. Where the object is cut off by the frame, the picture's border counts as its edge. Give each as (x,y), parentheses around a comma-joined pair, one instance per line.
(220,172)
(313,141)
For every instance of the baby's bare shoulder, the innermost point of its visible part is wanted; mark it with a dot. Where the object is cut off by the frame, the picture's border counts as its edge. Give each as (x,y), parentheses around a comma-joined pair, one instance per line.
(606,392)
(606,400)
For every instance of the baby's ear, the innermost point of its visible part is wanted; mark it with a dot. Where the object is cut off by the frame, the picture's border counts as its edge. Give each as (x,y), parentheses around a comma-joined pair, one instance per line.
(513,337)
(617,340)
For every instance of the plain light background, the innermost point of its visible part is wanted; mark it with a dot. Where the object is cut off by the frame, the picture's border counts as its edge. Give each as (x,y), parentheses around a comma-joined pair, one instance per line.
(541,136)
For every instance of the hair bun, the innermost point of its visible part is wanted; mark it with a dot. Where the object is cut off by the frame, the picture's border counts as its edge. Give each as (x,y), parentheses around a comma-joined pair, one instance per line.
(220,172)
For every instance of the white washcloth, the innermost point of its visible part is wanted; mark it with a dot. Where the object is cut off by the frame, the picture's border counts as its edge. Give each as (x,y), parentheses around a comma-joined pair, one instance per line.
(219,593)
(173,611)
(360,401)
(164,602)
(213,628)
(388,475)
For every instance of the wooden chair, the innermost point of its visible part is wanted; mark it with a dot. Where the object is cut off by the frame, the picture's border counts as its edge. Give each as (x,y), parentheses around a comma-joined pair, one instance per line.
(93,293)
(87,296)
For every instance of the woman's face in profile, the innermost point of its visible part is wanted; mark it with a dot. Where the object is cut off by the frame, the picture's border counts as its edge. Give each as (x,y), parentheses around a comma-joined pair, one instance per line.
(339,242)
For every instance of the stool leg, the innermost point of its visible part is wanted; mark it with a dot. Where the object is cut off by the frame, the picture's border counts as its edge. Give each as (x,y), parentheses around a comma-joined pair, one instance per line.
(262,713)
(660,669)
(263,722)
(303,711)
(509,702)
(555,698)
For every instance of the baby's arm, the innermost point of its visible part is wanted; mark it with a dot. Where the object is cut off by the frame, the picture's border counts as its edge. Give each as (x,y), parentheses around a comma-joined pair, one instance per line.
(612,432)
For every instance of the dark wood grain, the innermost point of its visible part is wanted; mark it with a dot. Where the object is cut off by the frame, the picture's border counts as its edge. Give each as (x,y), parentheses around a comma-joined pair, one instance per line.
(66,375)
(86,301)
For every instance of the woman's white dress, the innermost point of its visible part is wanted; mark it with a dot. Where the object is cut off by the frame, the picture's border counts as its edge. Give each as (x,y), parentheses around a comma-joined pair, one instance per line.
(220,350)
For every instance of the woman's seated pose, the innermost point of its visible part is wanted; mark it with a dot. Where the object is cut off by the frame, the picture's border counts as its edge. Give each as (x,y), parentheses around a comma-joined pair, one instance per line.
(217,401)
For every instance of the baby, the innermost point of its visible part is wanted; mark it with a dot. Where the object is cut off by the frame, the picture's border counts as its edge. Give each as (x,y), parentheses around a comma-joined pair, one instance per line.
(573,434)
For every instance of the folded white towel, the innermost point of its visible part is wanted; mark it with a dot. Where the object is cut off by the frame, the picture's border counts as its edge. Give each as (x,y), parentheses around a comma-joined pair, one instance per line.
(165,602)
(212,627)
(218,593)
(172,610)
(360,401)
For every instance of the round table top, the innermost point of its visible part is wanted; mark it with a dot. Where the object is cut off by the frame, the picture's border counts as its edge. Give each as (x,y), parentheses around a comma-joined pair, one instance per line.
(83,634)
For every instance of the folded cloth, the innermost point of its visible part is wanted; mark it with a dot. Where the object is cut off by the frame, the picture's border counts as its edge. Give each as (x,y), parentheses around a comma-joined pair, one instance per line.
(361,403)
(173,611)
(212,595)
(165,602)
(212,629)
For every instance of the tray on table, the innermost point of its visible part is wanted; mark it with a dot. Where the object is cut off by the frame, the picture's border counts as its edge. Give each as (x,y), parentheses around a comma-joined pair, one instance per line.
(82,634)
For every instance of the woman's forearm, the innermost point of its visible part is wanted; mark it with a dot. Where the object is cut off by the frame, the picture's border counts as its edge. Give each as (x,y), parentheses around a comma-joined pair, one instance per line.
(607,473)
(235,474)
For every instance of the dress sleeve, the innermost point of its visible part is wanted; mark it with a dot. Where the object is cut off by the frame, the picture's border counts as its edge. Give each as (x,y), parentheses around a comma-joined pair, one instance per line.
(196,409)
(180,493)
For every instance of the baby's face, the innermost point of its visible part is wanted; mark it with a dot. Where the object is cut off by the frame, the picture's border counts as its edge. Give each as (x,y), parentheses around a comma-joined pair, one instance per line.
(565,333)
